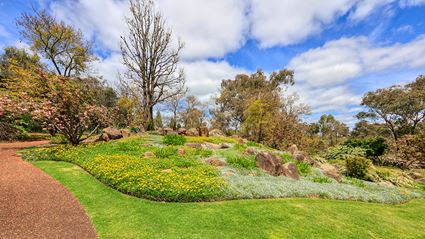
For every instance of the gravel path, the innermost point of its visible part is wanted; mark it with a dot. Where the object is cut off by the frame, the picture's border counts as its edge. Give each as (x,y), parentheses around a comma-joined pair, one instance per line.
(34,205)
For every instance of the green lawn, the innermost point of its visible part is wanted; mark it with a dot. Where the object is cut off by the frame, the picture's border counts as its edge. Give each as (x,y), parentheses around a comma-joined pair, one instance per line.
(116,215)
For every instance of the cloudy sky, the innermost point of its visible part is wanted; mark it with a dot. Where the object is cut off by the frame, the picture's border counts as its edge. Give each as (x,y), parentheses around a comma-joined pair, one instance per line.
(339,49)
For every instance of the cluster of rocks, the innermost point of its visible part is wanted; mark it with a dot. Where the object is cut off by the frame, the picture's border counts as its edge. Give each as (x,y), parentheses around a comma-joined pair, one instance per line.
(199,131)
(113,133)
(327,169)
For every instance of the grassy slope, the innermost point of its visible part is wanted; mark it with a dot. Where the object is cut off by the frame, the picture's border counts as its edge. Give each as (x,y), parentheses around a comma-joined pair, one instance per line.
(116,215)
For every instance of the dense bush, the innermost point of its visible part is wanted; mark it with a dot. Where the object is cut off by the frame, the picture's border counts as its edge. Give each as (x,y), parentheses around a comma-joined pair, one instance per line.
(341,152)
(242,162)
(374,147)
(357,167)
(174,139)
(410,151)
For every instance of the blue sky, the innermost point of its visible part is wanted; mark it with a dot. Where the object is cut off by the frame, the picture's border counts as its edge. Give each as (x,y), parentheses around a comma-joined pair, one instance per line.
(339,49)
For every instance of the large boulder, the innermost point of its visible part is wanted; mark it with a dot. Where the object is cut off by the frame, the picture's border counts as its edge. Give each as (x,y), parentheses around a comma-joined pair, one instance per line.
(102,138)
(290,170)
(330,171)
(303,157)
(125,133)
(203,131)
(192,132)
(271,163)
(214,161)
(181,131)
(113,133)
(216,133)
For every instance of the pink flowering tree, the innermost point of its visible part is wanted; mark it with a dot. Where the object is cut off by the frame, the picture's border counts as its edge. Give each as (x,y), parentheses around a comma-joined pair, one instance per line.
(71,110)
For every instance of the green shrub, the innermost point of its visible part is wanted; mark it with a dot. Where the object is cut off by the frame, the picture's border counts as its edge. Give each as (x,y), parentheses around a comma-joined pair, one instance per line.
(374,147)
(303,168)
(174,139)
(322,180)
(286,157)
(357,167)
(341,152)
(242,162)
(165,152)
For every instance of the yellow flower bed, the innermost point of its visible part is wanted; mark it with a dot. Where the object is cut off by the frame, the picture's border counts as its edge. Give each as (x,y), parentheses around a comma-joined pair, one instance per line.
(121,165)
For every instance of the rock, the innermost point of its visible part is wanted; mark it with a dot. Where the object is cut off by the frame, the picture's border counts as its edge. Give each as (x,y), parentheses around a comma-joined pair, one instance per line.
(214,161)
(165,131)
(290,170)
(148,155)
(192,132)
(242,141)
(194,145)
(181,131)
(125,133)
(216,133)
(181,151)
(303,157)
(228,174)
(250,151)
(169,170)
(103,138)
(252,174)
(270,163)
(113,133)
(224,146)
(293,149)
(203,131)
(212,146)
(386,184)
(330,171)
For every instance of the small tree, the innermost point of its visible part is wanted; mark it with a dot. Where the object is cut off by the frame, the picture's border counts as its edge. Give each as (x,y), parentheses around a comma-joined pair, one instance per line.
(151,60)
(61,44)
(158,119)
(71,110)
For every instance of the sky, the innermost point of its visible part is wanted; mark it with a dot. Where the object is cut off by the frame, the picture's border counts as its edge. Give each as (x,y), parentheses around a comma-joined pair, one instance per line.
(339,49)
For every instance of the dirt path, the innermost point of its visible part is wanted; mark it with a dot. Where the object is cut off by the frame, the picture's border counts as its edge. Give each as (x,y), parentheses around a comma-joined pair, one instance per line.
(34,205)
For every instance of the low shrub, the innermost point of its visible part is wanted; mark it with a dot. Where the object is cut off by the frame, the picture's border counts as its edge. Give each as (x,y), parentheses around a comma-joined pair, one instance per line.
(341,152)
(322,180)
(165,152)
(174,139)
(357,167)
(303,168)
(242,162)
(58,139)
(286,157)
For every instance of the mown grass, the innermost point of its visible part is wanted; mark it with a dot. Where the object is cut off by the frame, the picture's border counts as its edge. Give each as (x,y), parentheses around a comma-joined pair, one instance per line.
(116,215)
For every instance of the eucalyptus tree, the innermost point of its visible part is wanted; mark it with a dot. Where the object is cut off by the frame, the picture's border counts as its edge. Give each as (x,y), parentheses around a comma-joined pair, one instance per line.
(151,58)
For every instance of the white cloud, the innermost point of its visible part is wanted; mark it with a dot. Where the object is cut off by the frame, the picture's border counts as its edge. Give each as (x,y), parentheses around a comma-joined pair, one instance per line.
(284,22)
(411,3)
(209,28)
(324,75)
(341,60)
(102,19)
(204,77)
(366,7)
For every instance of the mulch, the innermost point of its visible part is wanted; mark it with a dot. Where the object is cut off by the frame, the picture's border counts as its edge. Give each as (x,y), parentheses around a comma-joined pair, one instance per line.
(33,204)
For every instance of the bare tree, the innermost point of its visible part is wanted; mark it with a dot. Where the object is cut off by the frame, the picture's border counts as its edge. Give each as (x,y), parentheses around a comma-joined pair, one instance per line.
(61,44)
(151,60)
(174,106)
